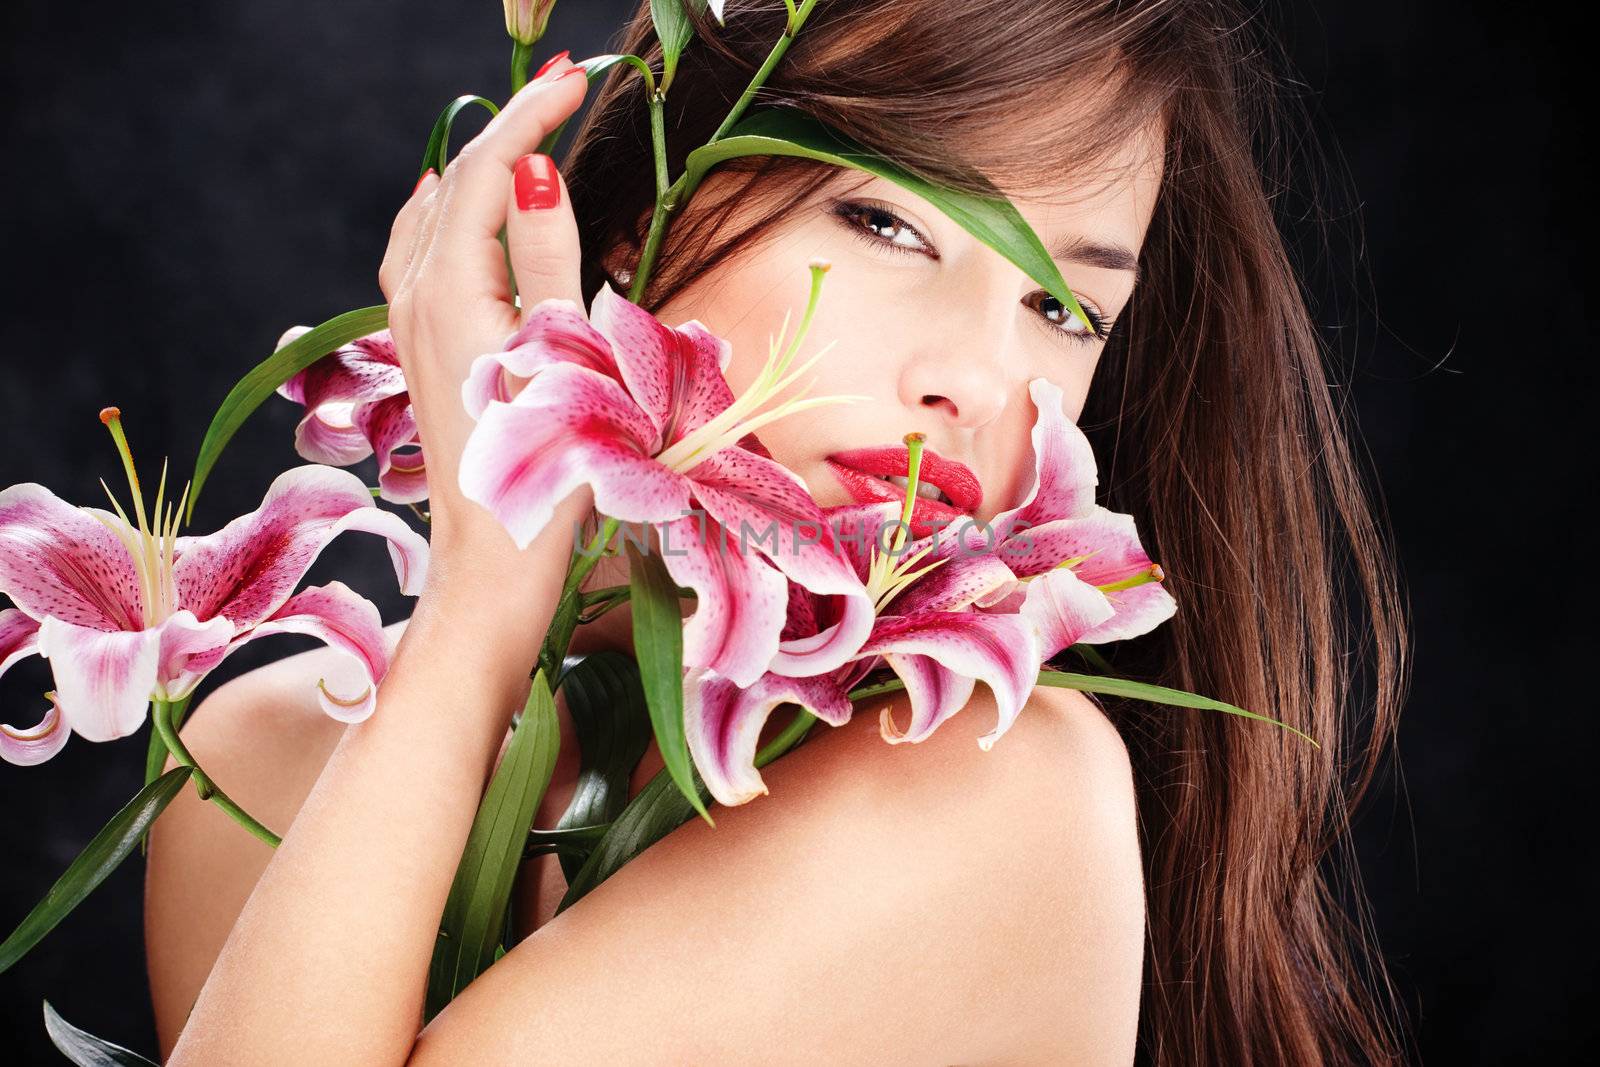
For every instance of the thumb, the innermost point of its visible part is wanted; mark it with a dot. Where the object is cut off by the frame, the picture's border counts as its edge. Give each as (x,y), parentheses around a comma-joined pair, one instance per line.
(542,235)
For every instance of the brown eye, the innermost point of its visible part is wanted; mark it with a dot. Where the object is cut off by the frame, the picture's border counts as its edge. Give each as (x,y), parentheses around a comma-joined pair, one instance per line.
(877,225)
(1065,322)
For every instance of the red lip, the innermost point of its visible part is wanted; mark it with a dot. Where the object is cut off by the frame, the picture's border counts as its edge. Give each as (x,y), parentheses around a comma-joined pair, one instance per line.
(858,470)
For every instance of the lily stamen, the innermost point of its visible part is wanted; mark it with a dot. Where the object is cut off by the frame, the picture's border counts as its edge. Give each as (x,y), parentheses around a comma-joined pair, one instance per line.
(740,418)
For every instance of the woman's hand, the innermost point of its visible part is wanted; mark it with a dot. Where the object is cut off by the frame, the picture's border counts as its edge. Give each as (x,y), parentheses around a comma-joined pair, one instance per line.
(450,300)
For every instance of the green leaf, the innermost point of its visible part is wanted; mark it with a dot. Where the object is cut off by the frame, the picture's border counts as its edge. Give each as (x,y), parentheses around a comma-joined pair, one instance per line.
(992,220)
(658,642)
(661,808)
(102,855)
(86,1050)
(612,722)
(593,68)
(1157,694)
(674,30)
(476,910)
(272,372)
(437,155)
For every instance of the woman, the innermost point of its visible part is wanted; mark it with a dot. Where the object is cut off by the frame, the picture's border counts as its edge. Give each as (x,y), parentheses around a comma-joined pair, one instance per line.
(1152,878)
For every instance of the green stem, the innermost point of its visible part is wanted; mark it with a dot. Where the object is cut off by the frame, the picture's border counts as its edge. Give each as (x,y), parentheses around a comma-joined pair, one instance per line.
(786,740)
(569,604)
(521,56)
(202,781)
(764,72)
(669,198)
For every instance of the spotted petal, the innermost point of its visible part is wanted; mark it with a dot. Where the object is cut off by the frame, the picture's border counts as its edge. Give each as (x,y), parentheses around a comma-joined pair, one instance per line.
(567,428)
(739,605)
(722,722)
(19,637)
(60,561)
(556,332)
(246,570)
(336,389)
(675,375)
(931,651)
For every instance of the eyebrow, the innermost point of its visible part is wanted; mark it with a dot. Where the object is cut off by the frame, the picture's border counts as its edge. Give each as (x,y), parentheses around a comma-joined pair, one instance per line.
(1096,254)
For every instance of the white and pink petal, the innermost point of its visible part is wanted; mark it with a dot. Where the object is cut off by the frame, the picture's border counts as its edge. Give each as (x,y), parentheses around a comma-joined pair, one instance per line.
(27,746)
(343,619)
(104,679)
(60,561)
(740,600)
(247,569)
(568,428)
(999,650)
(555,332)
(722,723)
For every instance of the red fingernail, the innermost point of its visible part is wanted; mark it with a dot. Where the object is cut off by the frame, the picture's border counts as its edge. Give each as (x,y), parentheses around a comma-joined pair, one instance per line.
(537,185)
(420,180)
(552,61)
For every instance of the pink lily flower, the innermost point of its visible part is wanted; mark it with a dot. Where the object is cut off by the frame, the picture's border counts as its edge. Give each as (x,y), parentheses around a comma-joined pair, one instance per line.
(989,602)
(356,406)
(128,614)
(925,628)
(1072,559)
(642,413)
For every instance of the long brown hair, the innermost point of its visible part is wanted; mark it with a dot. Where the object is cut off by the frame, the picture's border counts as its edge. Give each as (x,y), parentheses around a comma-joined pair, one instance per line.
(1213,418)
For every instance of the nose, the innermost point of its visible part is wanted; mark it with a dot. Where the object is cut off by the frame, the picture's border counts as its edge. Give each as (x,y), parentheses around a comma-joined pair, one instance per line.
(966,388)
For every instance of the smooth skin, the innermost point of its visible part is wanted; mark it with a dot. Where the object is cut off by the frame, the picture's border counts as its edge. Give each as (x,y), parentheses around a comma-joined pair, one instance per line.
(927,904)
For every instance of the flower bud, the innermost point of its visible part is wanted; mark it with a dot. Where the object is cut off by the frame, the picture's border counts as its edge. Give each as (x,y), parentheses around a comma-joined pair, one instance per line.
(526,19)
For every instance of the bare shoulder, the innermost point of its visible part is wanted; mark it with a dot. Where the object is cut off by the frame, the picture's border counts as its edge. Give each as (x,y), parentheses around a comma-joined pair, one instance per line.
(884,904)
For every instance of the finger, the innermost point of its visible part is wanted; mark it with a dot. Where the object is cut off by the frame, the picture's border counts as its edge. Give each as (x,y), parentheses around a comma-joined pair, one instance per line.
(403,236)
(542,234)
(475,199)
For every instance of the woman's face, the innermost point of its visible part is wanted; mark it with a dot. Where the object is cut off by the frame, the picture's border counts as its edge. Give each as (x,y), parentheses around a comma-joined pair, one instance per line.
(940,331)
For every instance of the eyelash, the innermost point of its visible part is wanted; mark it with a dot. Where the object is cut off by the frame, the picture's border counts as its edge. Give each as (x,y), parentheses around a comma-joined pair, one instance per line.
(846,211)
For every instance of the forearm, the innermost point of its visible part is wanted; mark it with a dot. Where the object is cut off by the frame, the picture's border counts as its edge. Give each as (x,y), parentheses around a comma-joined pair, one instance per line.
(329,959)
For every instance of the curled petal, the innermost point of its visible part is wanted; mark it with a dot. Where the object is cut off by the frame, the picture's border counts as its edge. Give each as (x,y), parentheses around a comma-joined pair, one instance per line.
(247,569)
(722,722)
(19,637)
(739,607)
(556,332)
(1000,650)
(28,747)
(1065,472)
(335,389)
(567,428)
(1063,609)
(326,435)
(59,561)
(390,425)
(675,375)
(935,691)
(104,680)
(345,620)
(828,646)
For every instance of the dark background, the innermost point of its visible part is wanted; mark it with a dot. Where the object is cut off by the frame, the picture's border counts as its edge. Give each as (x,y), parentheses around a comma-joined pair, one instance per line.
(181,182)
